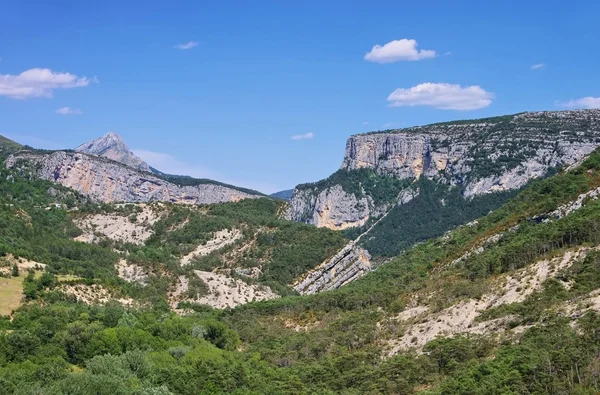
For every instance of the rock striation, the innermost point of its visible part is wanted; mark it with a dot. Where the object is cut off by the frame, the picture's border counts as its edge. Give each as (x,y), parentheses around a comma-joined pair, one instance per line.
(350,263)
(479,156)
(112,146)
(108,181)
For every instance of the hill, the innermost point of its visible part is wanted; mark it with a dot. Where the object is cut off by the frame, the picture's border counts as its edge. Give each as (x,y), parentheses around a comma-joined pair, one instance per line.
(400,187)
(504,303)
(284,195)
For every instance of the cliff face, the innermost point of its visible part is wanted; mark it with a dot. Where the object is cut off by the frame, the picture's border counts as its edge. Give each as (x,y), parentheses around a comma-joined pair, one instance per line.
(480,156)
(332,208)
(113,147)
(108,181)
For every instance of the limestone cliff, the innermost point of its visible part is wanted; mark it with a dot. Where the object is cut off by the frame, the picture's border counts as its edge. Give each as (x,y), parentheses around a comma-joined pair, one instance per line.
(108,181)
(479,156)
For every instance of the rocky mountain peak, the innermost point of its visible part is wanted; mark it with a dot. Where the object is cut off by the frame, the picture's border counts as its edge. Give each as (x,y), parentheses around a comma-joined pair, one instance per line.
(112,146)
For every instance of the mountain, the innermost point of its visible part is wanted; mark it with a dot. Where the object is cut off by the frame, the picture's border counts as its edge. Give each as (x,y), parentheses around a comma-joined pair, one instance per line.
(108,181)
(284,195)
(401,187)
(107,171)
(112,146)
(478,156)
(114,298)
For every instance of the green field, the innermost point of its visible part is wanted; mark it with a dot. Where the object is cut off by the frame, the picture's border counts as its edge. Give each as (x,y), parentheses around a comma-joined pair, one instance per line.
(11,292)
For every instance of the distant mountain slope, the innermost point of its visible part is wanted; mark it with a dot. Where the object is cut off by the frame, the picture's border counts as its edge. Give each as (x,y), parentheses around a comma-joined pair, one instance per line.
(284,195)
(192,181)
(113,298)
(478,156)
(490,305)
(112,146)
(106,170)
(8,146)
(109,181)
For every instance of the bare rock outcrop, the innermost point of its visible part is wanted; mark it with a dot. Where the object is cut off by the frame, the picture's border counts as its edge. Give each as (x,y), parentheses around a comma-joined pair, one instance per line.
(479,156)
(108,181)
(347,265)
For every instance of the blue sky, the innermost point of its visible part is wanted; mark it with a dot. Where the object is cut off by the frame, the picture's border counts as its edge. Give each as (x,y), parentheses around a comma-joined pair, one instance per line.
(218,89)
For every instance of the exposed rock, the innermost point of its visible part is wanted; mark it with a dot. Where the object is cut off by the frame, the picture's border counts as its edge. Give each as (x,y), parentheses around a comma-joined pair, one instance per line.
(132,273)
(350,263)
(220,239)
(92,294)
(422,325)
(108,181)
(480,156)
(332,208)
(112,146)
(223,291)
(134,229)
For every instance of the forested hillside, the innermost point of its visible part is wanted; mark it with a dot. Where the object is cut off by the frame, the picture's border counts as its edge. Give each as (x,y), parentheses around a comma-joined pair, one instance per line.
(505,304)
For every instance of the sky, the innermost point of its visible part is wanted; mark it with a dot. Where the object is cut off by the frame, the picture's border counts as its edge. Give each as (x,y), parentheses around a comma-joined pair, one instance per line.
(264,94)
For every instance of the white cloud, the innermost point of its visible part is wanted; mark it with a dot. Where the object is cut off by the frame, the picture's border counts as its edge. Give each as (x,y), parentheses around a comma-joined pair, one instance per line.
(387,125)
(188,45)
(398,50)
(365,123)
(39,83)
(69,111)
(537,66)
(442,96)
(584,102)
(305,136)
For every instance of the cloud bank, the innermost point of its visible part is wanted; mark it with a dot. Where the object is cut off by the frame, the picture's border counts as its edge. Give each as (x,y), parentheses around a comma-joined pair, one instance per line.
(442,96)
(584,102)
(39,83)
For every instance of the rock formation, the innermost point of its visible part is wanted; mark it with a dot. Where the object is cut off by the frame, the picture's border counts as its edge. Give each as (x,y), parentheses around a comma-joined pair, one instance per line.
(479,156)
(112,146)
(108,181)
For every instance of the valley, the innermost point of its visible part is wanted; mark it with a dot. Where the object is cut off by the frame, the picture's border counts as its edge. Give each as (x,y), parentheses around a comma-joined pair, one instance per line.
(437,259)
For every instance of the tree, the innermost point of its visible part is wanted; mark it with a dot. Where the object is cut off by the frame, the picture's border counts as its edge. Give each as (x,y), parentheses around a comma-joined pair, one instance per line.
(15,270)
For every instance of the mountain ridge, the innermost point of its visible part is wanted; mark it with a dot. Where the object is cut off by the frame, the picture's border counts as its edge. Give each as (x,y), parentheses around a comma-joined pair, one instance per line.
(420,182)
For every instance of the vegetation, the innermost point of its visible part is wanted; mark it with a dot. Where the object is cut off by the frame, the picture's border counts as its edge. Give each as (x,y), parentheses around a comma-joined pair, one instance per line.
(191,181)
(435,210)
(362,182)
(335,342)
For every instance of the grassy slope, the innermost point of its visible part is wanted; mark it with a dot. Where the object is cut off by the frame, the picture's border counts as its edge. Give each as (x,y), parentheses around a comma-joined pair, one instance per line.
(11,293)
